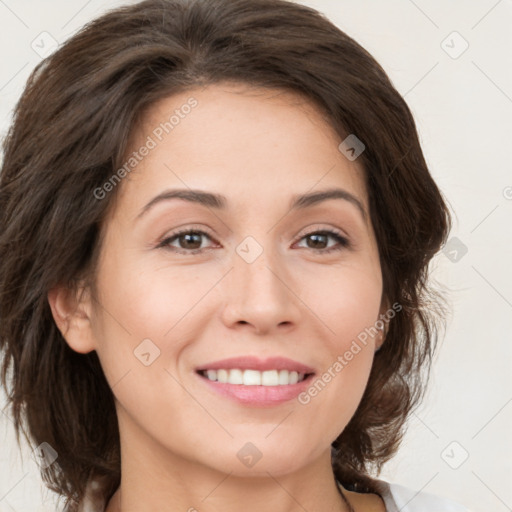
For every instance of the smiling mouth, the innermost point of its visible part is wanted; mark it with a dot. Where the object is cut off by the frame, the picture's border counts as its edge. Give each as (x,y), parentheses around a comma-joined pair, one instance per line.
(254,377)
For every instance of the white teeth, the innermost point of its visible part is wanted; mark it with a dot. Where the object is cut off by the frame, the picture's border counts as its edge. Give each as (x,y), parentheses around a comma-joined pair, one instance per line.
(270,378)
(254,377)
(236,377)
(283,377)
(251,378)
(222,376)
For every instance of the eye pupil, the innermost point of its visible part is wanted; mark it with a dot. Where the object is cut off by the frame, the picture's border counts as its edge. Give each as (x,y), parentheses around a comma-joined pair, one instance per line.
(188,237)
(315,238)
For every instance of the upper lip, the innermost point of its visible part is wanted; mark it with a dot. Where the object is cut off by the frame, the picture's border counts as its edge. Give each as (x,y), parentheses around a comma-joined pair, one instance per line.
(254,363)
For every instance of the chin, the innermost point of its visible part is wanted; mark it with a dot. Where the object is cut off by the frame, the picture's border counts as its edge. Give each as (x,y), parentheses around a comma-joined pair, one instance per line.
(261,457)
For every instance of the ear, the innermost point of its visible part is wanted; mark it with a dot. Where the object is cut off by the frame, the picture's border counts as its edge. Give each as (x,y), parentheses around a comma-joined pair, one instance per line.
(71,309)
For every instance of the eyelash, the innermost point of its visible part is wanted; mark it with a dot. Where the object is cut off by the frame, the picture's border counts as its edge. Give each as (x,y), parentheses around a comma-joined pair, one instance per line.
(343,243)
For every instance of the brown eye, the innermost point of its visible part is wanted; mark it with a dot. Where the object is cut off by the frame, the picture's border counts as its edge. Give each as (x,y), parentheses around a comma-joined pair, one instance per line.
(189,241)
(319,241)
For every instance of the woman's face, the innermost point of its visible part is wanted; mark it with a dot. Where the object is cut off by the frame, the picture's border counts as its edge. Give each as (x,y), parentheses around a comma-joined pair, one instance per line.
(253,279)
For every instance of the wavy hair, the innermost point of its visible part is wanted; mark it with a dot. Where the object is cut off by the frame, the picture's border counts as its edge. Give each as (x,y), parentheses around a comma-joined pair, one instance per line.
(70,130)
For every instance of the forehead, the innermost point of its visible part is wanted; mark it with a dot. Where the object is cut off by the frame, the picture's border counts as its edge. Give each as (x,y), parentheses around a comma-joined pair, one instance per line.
(255,145)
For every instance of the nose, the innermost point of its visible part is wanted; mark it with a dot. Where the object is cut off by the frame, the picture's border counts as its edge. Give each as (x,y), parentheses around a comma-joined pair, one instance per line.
(262,295)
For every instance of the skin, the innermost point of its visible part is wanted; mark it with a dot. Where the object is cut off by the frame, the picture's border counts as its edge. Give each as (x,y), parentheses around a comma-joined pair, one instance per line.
(179,440)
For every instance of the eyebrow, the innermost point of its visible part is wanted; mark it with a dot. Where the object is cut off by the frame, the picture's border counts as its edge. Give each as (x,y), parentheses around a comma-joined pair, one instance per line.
(219,201)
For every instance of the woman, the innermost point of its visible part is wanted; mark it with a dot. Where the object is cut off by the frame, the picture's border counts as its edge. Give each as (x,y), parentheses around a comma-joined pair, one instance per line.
(273,362)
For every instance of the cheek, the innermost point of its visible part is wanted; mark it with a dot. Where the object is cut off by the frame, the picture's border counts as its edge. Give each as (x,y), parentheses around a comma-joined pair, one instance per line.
(347,301)
(141,336)
(151,298)
(151,304)
(348,309)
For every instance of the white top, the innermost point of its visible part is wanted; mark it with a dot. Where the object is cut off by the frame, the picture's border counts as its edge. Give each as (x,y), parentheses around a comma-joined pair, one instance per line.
(396,499)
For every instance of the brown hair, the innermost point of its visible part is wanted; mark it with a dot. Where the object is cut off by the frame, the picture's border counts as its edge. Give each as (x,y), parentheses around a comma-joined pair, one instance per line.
(70,131)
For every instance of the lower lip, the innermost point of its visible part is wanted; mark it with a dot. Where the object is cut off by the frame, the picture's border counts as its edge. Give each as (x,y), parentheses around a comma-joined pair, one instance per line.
(262,396)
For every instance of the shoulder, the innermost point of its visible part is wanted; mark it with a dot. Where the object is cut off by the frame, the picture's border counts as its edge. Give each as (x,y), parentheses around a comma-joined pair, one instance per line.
(393,497)
(409,500)
(367,501)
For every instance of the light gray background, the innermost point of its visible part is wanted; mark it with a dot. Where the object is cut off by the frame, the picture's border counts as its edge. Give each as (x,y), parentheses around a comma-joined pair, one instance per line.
(463,110)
